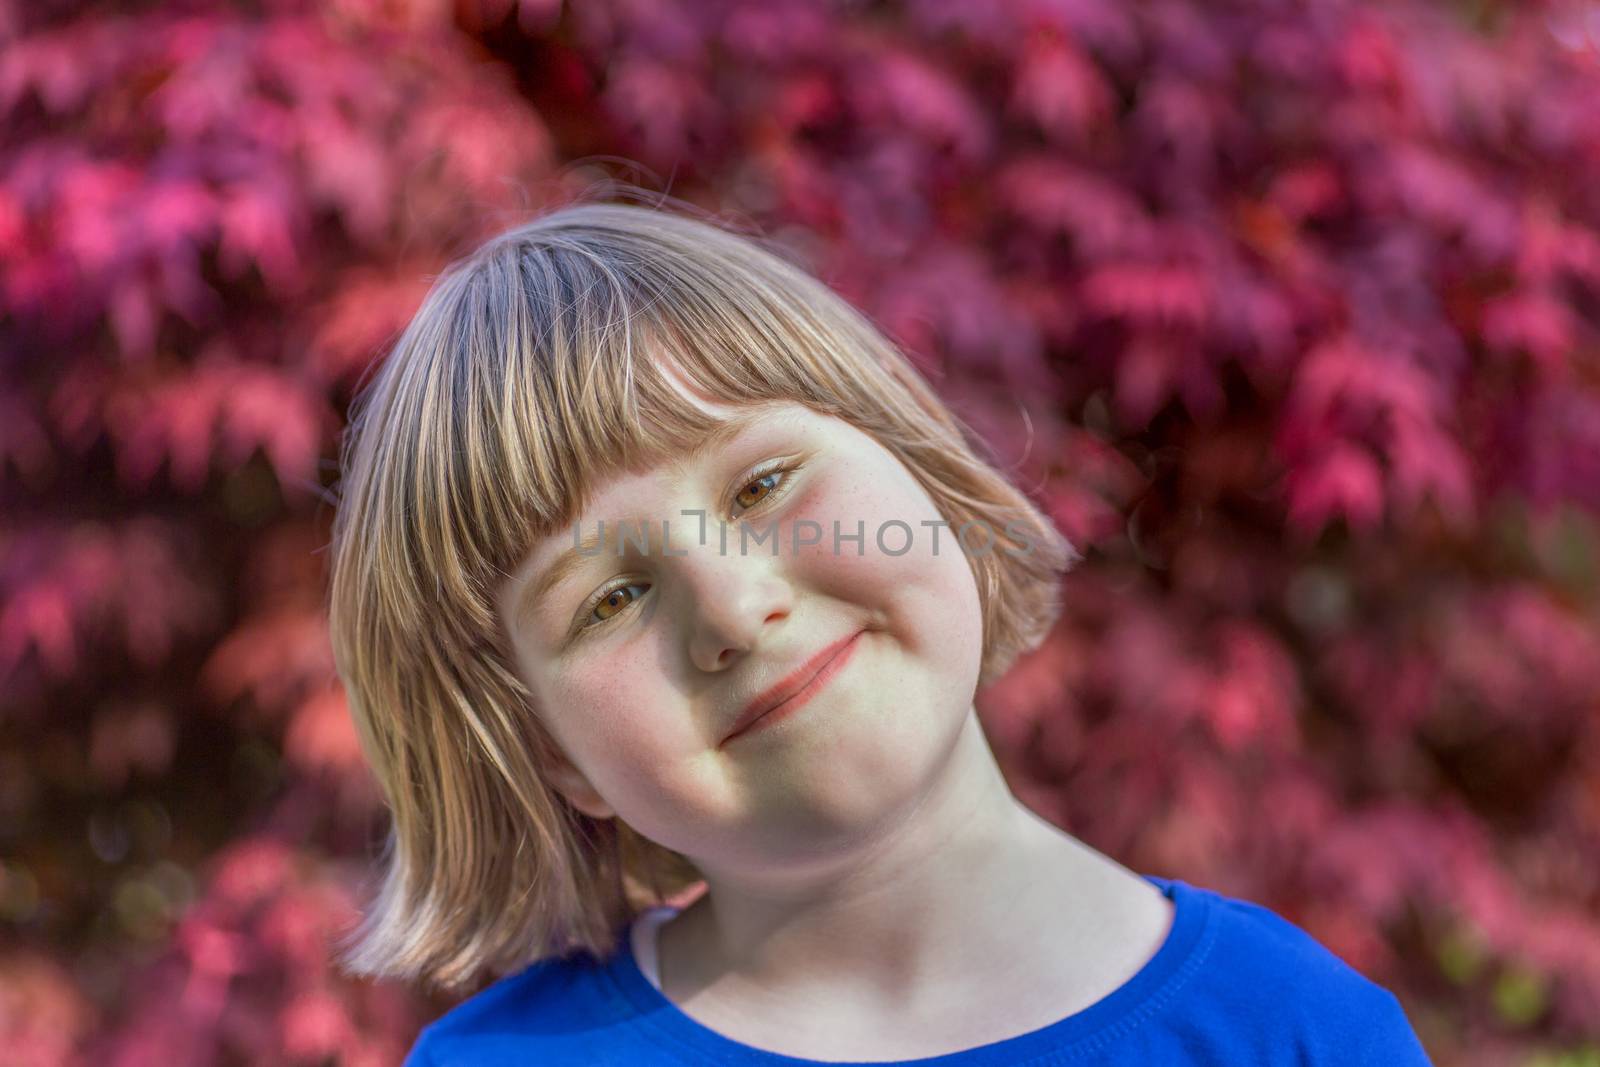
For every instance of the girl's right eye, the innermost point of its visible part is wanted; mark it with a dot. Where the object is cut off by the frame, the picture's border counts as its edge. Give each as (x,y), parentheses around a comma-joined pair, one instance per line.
(611,603)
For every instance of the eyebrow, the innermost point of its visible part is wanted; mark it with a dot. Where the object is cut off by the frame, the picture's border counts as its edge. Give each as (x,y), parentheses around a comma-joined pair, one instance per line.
(573,558)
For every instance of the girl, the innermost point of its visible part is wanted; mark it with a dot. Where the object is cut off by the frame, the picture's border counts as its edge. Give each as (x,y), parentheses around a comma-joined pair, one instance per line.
(662,586)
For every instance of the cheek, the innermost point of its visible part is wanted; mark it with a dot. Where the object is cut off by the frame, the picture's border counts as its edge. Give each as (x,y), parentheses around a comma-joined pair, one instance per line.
(636,739)
(905,564)
(618,721)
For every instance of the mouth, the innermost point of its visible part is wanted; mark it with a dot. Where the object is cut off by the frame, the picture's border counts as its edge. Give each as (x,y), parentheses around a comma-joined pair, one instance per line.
(794,691)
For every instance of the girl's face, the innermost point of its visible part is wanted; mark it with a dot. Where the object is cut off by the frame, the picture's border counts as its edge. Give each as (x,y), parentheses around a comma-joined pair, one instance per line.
(642,656)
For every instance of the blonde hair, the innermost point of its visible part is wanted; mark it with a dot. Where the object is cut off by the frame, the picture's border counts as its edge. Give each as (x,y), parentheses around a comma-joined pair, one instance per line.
(528,376)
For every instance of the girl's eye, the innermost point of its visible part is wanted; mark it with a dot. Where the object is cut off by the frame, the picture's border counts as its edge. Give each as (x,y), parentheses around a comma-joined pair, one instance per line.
(768,485)
(614,602)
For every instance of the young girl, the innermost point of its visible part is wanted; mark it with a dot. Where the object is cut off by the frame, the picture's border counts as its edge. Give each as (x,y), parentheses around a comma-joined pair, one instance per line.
(662,586)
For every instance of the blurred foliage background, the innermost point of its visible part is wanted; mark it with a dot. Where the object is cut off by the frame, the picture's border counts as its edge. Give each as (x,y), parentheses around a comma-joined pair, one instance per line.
(1287,311)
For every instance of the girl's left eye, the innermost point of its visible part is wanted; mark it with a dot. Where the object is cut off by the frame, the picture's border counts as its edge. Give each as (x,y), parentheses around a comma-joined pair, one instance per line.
(764,487)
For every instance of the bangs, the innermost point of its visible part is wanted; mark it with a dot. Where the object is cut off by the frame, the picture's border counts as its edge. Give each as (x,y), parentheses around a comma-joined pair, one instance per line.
(593,383)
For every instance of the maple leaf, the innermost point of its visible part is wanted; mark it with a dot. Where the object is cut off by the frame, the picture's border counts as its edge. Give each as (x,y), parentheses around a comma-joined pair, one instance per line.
(361,314)
(1150,293)
(1102,219)
(662,108)
(1534,322)
(1252,697)
(1424,463)
(259,224)
(322,737)
(925,100)
(1181,123)
(274,658)
(346,168)
(1464,87)
(1445,192)
(65,591)
(480,143)
(1307,190)
(38,619)
(1060,90)
(250,870)
(1344,482)
(951,295)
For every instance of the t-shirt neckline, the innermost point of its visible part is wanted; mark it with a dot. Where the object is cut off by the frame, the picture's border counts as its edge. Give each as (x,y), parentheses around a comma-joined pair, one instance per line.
(1122,1008)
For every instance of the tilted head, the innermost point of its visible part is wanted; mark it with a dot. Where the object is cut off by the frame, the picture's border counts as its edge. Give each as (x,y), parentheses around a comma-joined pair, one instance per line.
(552,762)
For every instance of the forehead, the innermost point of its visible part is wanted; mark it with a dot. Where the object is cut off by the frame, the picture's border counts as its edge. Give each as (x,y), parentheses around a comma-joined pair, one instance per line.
(733,421)
(737,423)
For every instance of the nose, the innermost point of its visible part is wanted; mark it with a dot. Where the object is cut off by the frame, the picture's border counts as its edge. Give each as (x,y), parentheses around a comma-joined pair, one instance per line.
(733,600)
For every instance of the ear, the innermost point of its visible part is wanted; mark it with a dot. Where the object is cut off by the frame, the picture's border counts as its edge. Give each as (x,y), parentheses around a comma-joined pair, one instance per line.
(572,784)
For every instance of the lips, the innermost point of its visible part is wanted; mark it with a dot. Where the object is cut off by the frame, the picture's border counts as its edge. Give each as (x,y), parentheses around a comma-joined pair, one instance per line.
(792,683)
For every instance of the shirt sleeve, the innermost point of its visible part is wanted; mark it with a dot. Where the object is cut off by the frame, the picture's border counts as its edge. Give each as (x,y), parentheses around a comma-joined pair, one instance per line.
(1392,1042)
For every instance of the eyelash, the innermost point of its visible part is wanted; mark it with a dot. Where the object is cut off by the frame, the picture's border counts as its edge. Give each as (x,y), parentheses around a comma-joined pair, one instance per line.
(788,469)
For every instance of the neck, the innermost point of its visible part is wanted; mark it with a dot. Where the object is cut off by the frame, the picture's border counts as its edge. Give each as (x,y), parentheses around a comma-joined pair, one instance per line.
(967,873)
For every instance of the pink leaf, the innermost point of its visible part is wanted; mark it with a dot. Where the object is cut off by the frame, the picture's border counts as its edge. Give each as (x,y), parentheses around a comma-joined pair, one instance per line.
(1343,483)
(1060,90)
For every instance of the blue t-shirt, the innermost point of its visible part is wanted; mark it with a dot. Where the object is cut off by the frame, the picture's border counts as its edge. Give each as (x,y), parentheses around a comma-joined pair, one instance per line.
(1233,984)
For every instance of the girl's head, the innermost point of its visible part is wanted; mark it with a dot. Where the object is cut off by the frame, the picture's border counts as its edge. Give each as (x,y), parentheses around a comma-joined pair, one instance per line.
(550,724)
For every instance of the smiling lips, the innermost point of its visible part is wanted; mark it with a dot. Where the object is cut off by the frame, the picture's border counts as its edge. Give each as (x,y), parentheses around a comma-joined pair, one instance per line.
(795,689)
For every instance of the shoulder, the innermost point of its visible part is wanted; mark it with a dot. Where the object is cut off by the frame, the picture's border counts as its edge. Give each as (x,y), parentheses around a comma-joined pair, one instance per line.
(1261,947)
(560,1010)
(1269,975)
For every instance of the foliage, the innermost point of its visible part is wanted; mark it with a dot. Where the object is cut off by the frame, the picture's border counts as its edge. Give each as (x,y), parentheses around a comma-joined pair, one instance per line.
(1287,312)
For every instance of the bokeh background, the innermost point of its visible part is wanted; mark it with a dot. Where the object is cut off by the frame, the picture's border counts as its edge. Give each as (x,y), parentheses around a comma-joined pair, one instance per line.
(1286,311)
